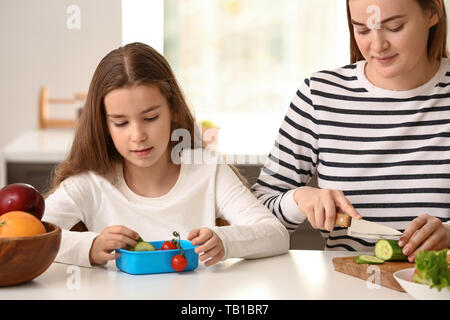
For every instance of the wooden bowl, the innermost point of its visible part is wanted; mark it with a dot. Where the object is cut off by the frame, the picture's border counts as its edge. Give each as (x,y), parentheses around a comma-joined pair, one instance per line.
(24,258)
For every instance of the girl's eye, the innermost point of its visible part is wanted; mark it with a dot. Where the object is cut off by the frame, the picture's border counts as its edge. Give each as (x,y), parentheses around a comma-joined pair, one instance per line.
(120,124)
(152,119)
(364,31)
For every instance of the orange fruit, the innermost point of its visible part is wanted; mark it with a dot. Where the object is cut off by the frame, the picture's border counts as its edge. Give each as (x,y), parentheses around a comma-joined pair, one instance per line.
(20,224)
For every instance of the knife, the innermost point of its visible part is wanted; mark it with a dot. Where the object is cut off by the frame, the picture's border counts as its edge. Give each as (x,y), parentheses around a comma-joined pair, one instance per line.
(365,229)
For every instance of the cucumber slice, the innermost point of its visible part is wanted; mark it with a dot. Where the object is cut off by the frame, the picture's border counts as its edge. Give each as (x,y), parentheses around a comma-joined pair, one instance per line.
(144,246)
(364,258)
(389,250)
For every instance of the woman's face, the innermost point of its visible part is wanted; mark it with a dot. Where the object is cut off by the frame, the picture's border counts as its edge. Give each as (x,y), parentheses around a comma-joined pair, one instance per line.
(391,35)
(139,122)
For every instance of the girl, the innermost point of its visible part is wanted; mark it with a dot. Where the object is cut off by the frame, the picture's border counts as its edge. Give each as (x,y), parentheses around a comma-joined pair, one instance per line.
(122,181)
(375,132)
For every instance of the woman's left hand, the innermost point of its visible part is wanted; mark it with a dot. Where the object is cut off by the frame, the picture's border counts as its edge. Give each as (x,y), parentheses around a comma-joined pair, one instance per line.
(209,245)
(424,233)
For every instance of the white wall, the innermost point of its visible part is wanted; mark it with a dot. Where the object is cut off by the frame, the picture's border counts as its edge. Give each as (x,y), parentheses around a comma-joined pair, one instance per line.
(37,48)
(143,21)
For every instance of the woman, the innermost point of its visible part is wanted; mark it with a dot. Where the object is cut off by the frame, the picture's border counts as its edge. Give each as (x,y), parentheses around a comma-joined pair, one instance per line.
(376,133)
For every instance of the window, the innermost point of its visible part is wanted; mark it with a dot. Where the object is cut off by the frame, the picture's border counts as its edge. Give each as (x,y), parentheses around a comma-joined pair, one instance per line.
(143,21)
(240,62)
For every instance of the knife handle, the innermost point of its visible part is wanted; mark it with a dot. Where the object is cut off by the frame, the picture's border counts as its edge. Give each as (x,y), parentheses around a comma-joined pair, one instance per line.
(343,220)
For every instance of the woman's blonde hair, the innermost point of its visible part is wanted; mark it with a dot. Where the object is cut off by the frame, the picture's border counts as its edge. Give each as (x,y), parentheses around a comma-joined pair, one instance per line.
(437,37)
(134,64)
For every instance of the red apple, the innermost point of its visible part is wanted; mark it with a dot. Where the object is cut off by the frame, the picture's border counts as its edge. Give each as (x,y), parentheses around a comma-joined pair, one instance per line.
(22,197)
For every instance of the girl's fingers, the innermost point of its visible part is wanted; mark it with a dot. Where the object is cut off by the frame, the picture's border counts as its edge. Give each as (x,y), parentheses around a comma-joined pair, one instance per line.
(123,231)
(193,234)
(116,241)
(208,245)
(203,236)
(210,253)
(129,242)
(110,245)
(106,256)
(111,256)
(215,259)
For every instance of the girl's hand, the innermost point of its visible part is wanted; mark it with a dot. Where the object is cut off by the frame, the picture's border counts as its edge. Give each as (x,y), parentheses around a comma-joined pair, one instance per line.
(110,239)
(424,233)
(209,244)
(320,206)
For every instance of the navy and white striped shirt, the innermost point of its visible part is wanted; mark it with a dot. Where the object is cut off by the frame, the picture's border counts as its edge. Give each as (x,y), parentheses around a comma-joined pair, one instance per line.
(388,151)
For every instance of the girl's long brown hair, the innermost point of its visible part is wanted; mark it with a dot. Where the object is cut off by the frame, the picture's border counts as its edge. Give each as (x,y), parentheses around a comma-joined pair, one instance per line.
(437,38)
(134,64)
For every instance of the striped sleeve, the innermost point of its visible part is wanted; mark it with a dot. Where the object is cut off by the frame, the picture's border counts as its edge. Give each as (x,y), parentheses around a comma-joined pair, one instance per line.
(292,161)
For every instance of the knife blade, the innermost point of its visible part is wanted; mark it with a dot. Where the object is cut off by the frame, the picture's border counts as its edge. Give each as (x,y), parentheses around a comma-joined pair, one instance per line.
(365,229)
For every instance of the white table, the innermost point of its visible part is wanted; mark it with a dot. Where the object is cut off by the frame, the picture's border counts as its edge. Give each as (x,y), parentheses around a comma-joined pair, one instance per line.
(299,274)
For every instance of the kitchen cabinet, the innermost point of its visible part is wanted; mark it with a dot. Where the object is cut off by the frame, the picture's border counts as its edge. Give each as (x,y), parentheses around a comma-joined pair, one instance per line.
(32,156)
(36,174)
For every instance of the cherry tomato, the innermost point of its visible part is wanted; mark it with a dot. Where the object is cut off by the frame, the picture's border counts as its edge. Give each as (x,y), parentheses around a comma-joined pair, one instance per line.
(168,245)
(178,263)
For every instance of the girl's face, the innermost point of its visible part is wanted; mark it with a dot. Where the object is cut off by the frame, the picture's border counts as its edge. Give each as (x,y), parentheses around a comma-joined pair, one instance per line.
(139,122)
(399,46)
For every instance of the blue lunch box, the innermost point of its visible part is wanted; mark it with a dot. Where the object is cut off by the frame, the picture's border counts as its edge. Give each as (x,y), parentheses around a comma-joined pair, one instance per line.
(157,261)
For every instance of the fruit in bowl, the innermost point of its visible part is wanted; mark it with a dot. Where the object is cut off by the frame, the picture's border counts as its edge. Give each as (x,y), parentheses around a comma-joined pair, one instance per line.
(28,246)
(20,224)
(24,258)
(22,197)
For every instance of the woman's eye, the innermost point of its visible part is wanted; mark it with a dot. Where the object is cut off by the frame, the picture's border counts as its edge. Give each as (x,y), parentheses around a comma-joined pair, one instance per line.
(397,29)
(366,31)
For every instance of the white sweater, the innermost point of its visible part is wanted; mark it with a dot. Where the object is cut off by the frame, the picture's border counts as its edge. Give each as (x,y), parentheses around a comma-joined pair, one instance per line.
(388,151)
(202,193)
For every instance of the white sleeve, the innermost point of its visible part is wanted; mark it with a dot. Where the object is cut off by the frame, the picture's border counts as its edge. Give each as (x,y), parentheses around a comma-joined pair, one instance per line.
(61,209)
(254,232)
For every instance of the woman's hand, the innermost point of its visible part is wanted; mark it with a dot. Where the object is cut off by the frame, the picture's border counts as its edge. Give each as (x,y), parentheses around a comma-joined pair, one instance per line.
(110,239)
(424,233)
(209,244)
(320,206)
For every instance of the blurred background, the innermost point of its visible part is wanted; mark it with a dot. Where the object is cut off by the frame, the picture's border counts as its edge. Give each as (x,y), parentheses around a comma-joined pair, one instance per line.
(239,63)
